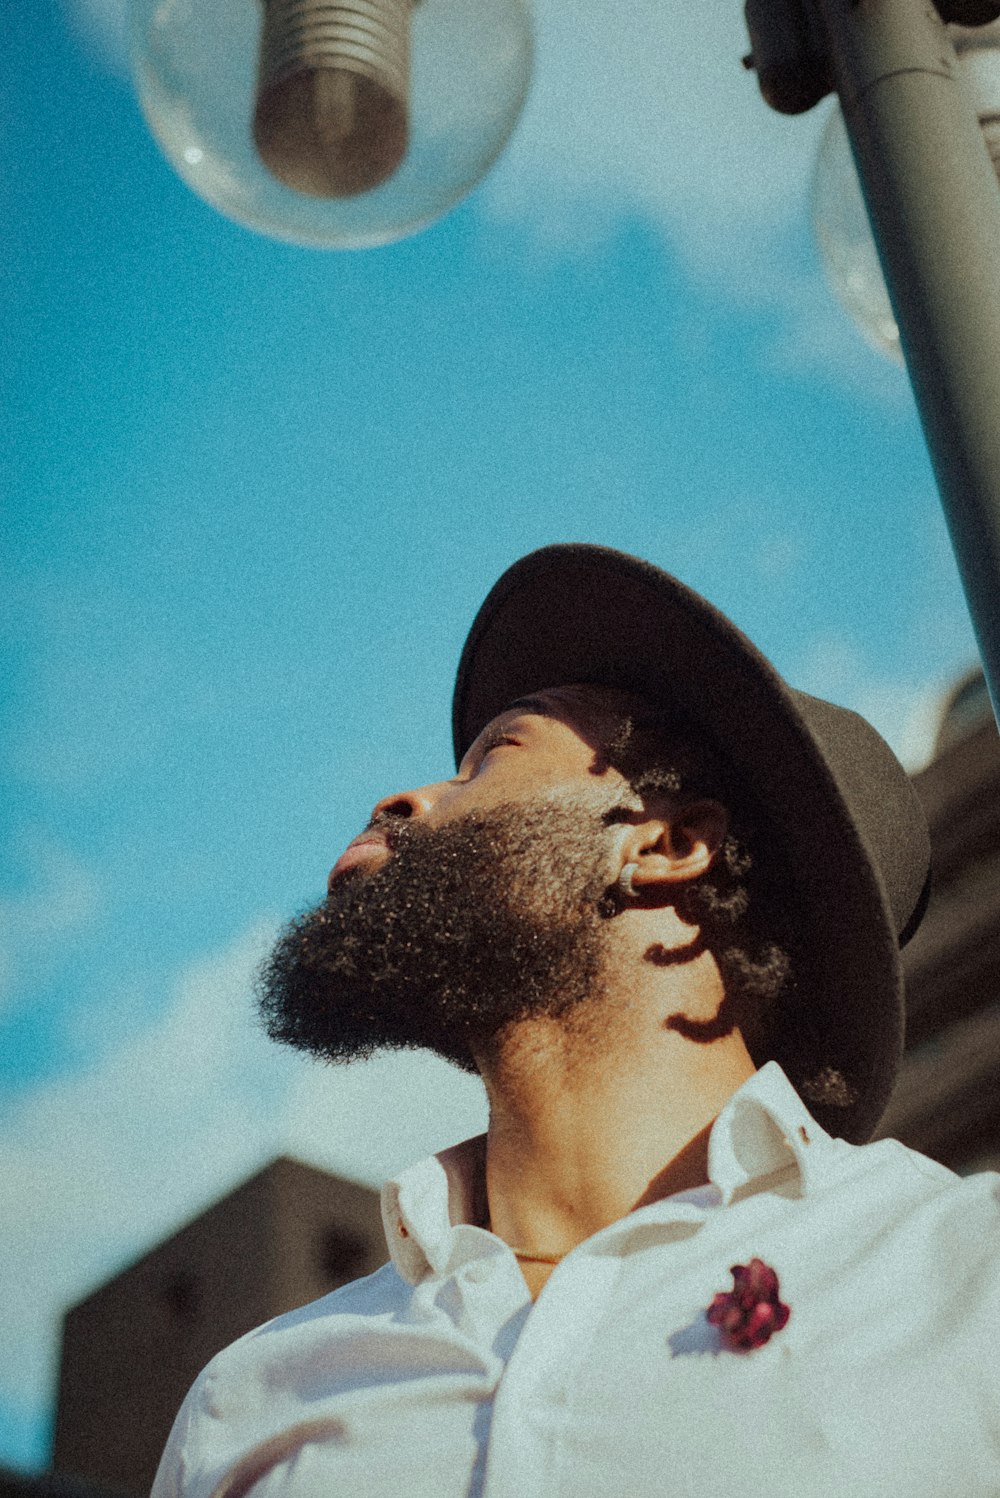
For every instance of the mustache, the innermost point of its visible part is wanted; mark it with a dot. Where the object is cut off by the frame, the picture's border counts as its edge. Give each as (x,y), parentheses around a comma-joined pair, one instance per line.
(394,829)
(403,831)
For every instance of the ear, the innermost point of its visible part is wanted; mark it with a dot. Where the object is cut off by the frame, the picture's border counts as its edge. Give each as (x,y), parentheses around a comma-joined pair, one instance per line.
(677,847)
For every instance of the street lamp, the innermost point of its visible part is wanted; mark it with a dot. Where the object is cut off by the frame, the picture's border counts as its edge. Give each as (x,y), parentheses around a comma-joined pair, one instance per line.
(349,123)
(932,198)
(334,123)
(840,219)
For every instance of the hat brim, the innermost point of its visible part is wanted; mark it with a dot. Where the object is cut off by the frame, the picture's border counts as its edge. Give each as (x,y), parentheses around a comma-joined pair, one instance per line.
(820,774)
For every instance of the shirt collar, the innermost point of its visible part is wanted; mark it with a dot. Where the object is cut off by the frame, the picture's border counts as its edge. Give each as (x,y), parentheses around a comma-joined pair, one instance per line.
(763,1128)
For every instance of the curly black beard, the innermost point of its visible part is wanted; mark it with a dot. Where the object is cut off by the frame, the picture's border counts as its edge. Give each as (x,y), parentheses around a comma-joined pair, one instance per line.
(465,930)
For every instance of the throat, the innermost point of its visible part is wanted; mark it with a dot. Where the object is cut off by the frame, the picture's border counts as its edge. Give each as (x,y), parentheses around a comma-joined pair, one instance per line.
(579,1137)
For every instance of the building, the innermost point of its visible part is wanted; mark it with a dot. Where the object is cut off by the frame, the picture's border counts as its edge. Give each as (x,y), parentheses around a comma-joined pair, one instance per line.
(133,1348)
(947,1100)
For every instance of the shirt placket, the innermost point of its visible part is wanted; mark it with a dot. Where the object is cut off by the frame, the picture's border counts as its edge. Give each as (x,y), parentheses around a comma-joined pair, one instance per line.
(535,1398)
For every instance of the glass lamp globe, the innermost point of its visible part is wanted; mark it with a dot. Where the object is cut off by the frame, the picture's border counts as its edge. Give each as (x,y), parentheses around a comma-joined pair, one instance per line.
(334,123)
(840,219)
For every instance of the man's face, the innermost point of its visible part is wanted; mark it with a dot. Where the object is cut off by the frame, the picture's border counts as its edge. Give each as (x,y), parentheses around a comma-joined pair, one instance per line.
(547,745)
(467,904)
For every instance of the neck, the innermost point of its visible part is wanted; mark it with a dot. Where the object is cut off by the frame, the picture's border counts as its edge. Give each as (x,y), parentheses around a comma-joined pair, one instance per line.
(591,1119)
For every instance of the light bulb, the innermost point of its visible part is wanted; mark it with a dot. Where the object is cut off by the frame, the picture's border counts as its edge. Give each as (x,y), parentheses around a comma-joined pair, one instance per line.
(335,123)
(840,219)
(846,246)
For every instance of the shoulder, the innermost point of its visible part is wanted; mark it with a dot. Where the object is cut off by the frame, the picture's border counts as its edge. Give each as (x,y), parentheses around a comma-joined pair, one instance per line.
(265,1381)
(897,1165)
(902,1191)
(348,1314)
(892,1160)
(973,1201)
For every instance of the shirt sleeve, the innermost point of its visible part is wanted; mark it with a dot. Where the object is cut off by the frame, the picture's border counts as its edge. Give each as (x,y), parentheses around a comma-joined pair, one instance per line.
(169,1479)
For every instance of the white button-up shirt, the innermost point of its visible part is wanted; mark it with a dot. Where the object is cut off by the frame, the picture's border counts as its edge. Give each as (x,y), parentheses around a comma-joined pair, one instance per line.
(436,1377)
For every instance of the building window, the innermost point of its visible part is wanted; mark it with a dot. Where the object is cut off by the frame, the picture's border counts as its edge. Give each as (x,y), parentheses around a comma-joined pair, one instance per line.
(182,1293)
(343,1255)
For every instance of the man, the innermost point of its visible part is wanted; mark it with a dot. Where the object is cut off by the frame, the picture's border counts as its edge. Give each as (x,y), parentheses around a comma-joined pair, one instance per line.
(659,908)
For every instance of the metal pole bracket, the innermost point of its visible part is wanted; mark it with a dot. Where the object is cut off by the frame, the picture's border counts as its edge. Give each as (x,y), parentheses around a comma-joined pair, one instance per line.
(788,55)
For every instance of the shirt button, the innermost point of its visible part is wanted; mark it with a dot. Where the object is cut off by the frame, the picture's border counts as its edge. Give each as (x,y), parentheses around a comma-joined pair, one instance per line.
(402,1229)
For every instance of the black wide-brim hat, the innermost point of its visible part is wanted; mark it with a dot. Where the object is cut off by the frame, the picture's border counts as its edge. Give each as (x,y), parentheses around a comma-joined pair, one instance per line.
(834,799)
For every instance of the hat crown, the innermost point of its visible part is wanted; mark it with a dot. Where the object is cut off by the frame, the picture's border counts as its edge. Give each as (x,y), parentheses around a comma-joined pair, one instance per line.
(838,804)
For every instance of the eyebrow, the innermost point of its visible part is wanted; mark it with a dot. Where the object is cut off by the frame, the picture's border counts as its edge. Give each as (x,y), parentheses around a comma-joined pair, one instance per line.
(522,705)
(530,705)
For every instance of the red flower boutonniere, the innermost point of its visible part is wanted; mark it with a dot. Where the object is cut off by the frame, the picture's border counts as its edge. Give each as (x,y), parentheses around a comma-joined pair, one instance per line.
(750,1313)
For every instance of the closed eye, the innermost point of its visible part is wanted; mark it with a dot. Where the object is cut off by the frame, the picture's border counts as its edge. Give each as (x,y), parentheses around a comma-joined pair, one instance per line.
(496,740)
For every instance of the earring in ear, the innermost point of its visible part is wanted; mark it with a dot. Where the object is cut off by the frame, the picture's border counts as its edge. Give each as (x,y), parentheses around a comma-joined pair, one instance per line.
(626,885)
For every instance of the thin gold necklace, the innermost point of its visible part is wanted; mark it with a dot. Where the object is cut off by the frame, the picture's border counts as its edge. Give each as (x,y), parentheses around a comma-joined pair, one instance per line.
(520,1253)
(529,1258)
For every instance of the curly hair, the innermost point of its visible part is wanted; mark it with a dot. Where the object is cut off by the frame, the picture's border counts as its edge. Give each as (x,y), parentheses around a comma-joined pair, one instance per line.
(736,902)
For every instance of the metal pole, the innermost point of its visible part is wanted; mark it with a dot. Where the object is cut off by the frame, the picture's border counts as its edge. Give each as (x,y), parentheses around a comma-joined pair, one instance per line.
(934,204)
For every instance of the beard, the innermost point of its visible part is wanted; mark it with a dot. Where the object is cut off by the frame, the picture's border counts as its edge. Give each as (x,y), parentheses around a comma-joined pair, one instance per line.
(464,931)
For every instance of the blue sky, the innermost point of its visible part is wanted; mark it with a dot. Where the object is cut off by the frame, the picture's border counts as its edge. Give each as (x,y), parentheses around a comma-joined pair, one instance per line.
(252,497)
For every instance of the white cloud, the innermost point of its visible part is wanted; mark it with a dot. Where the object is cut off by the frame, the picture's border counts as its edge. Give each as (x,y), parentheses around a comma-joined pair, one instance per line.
(648,107)
(818,339)
(647,110)
(103,26)
(368,1120)
(906,713)
(97,1167)
(61,900)
(907,717)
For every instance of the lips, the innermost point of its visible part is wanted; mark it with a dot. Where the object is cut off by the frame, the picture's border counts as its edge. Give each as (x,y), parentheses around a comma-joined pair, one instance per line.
(370,847)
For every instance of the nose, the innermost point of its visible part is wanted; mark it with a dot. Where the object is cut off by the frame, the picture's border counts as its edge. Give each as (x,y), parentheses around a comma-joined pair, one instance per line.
(404,804)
